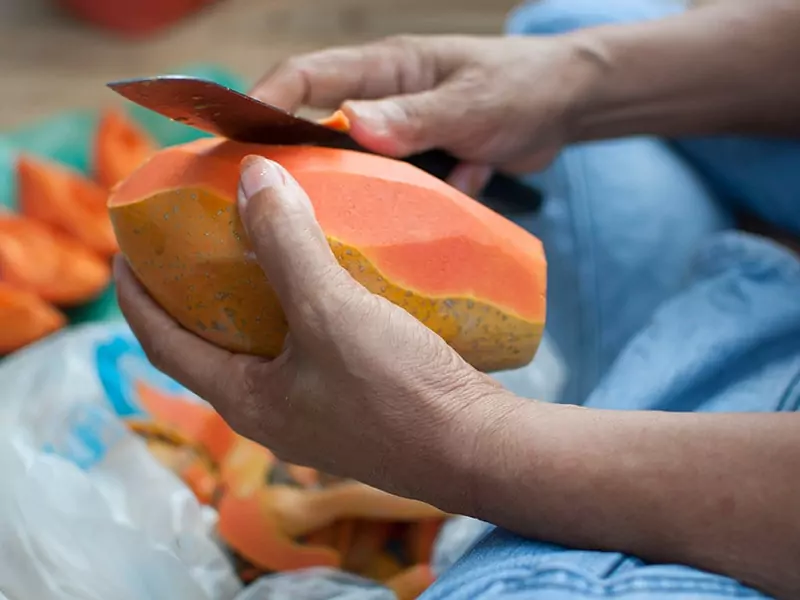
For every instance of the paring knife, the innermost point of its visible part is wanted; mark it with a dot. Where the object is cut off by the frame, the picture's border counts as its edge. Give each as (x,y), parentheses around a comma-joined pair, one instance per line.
(219,110)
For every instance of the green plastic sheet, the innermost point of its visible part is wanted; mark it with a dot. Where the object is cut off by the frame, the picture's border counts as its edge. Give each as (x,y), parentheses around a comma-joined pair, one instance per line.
(67,138)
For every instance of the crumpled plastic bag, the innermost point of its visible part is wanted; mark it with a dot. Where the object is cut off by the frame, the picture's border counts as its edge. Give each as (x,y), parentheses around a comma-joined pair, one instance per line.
(316,584)
(86,512)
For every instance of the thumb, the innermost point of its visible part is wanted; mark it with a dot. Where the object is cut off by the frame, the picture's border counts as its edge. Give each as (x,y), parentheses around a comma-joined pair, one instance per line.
(287,239)
(403,125)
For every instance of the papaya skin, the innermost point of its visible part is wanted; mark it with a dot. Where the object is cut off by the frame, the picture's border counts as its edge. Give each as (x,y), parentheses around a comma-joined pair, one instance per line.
(471,276)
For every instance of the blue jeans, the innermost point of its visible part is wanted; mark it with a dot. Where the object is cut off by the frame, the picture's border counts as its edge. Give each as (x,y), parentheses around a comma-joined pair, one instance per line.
(655,301)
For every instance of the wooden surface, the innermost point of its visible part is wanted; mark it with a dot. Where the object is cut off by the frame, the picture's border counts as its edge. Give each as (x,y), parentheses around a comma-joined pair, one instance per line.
(49,62)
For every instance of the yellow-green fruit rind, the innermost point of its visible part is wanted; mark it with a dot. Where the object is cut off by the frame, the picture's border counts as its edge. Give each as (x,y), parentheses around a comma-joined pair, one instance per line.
(219,292)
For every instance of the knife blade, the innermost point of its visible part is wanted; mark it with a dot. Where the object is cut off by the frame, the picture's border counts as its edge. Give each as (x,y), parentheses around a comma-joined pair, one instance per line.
(222,111)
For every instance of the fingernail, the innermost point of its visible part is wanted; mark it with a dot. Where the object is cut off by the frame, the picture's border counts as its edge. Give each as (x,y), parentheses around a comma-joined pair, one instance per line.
(258,174)
(375,115)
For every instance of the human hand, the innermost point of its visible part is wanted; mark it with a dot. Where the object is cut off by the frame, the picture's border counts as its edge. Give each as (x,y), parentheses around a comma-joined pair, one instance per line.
(503,102)
(361,390)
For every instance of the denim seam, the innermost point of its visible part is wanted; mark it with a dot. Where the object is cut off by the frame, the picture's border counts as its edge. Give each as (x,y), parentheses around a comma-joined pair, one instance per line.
(785,405)
(588,285)
(560,578)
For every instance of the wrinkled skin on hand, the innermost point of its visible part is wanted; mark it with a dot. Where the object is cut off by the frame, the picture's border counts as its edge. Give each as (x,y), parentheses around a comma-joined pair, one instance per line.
(361,390)
(494,102)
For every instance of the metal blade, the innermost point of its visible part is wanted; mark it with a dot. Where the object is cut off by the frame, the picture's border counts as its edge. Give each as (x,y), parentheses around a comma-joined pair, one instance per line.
(221,111)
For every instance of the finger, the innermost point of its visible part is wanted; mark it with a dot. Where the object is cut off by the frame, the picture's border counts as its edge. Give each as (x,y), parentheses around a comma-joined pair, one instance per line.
(327,78)
(407,124)
(288,241)
(210,372)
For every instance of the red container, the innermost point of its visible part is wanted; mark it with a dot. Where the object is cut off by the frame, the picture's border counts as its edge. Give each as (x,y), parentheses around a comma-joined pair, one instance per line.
(133,17)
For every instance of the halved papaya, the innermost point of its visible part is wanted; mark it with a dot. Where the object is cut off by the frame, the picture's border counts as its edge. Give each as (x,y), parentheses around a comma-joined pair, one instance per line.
(48,263)
(25,318)
(120,146)
(467,273)
(66,200)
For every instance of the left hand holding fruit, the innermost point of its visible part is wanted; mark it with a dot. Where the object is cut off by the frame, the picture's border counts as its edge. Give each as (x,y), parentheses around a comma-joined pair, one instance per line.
(361,389)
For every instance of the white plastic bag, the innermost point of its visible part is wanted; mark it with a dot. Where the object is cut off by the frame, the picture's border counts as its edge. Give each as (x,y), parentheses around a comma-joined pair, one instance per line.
(86,512)
(316,584)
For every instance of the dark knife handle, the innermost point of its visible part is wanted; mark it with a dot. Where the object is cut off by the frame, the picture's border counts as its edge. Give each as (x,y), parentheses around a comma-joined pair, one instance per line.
(503,194)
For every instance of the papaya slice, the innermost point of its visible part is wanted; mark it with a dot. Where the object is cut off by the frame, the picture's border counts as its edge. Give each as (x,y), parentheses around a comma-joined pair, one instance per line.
(25,318)
(120,146)
(369,539)
(467,273)
(248,526)
(67,201)
(337,121)
(48,263)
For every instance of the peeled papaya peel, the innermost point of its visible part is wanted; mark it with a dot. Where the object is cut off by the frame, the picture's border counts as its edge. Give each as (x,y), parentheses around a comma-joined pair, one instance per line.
(67,201)
(249,526)
(337,121)
(48,263)
(464,271)
(25,318)
(120,146)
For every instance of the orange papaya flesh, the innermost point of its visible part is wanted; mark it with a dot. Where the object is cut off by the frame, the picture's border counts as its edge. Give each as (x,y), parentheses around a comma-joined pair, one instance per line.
(67,201)
(248,526)
(120,146)
(196,422)
(337,121)
(25,318)
(467,273)
(48,263)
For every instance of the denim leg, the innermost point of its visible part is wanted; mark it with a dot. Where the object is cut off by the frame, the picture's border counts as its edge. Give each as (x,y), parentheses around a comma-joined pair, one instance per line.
(619,222)
(739,348)
(728,341)
(757,176)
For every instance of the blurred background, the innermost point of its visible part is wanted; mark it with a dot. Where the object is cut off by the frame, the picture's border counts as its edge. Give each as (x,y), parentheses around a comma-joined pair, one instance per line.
(52,59)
